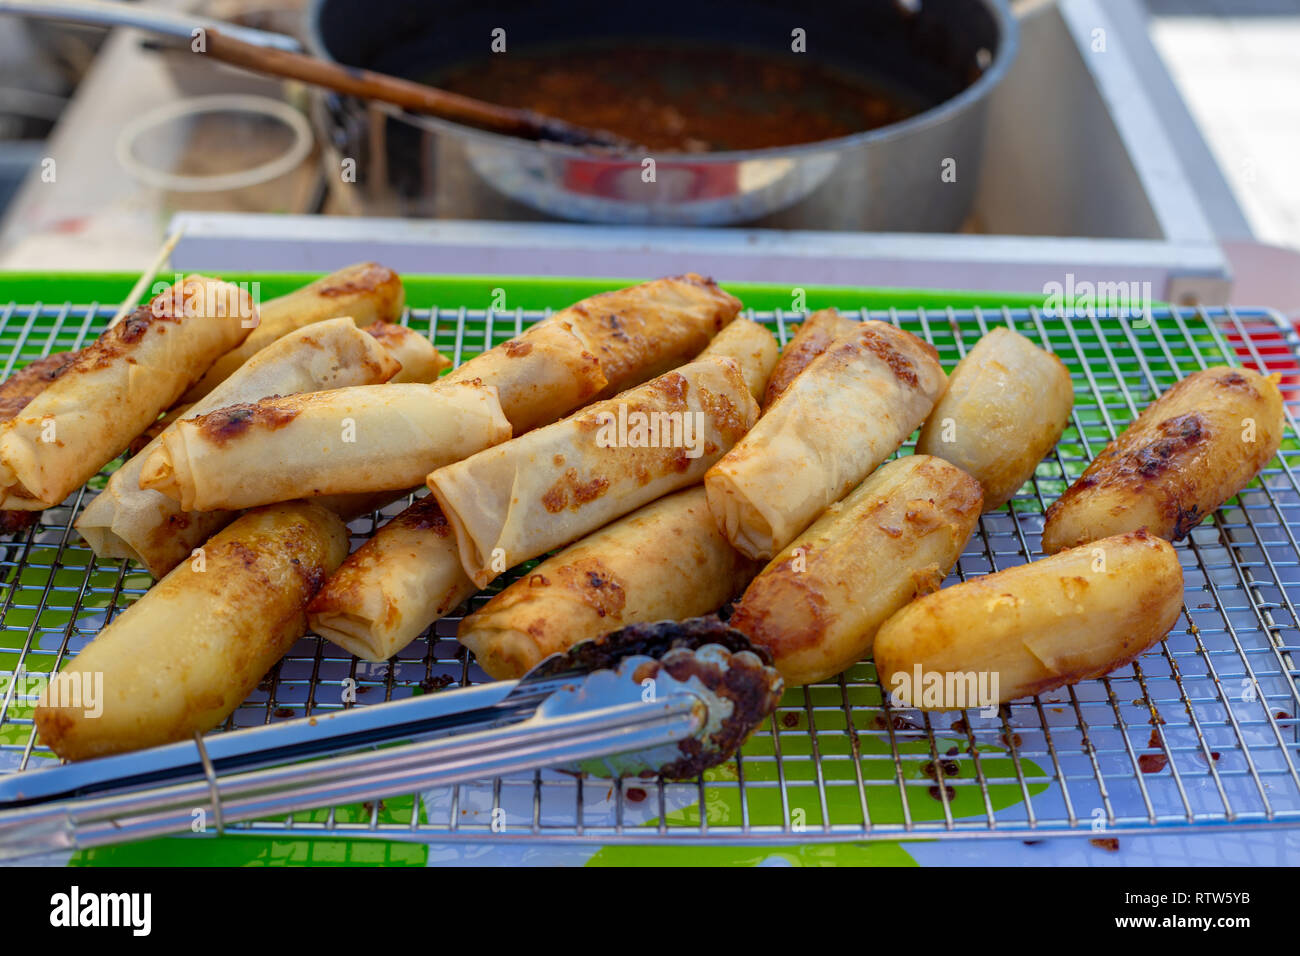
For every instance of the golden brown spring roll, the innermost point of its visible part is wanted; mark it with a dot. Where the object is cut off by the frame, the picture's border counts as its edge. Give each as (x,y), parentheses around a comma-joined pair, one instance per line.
(341,441)
(1189,451)
(752,346)
(368,292)
(818,605)
(185,655)
(394,586)
(644,330)
(421,362)
(1029,629)
(599,347)
(540,376)
(851,408)
(1005,407)
(116,388)
(810,340)
(16,392)
(555,484)
(665,560)
(127,521)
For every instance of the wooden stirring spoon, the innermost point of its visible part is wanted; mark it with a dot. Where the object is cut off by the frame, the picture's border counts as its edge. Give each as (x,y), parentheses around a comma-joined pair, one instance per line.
(277,55)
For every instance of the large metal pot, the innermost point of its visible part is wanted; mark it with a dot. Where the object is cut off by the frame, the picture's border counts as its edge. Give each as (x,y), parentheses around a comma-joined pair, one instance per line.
(916,175)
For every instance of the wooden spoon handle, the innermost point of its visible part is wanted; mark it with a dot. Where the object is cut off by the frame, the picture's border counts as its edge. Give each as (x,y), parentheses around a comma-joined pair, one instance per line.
(415,97)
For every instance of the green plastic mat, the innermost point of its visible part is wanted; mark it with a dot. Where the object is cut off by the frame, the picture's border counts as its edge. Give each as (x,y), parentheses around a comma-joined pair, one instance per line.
(806,772)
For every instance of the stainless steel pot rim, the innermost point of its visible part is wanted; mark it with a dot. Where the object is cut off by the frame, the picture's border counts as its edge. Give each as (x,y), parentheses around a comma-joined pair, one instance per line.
(1008,44)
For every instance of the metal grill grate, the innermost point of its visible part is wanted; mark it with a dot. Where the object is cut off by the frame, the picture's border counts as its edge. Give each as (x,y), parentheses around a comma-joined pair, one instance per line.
(1201,731)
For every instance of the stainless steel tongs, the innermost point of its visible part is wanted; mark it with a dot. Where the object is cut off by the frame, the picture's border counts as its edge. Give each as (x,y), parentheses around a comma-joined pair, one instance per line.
(668,698)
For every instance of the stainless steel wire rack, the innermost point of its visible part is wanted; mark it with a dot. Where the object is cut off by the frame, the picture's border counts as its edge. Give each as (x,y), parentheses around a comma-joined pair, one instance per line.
(1201,732)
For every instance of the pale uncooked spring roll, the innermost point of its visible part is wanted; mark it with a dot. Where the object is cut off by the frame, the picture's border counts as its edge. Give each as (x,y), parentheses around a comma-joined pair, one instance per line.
(1005,407)
(810,340)
(182,658)
(367,291)
(851,408)
(144,525)
(421,362)
(341,441)
(752,346)
(116,388)
(394,586)
(818,605)
(666,560)
(553,485)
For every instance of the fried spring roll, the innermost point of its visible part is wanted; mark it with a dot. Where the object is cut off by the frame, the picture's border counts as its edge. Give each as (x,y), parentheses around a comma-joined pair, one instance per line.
(810,340)
(185,655)
(642,331)
(540,375)
(1005,407)
(16,392)
(1035,627)
(665,560)
(1191,450)
(367,291)
(600,346)
(851,408)
(555,484)
(752,346)
(394,586)
(818,605)
(409,574)
(341,441)
(420,361)
(128,521)
(116,388)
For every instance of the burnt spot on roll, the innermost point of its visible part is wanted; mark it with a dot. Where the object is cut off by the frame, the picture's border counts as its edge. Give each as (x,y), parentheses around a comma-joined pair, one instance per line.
(367,277)
(884,346)
(424,515)
(673,387)
(1237,381)
(1141,457)
(557,497)
(518,348)
(595,585)
(728,418)
(228,423)
(1174,438)
(17,391)
(615,326)
(387,333)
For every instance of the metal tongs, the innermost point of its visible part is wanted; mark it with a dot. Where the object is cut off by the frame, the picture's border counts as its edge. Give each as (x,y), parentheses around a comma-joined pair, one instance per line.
(668,698)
